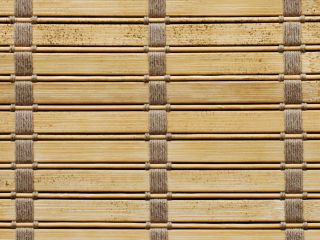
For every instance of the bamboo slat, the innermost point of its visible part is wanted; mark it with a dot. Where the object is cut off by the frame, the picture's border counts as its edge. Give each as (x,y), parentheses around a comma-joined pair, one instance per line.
(174,8)
(138,181)
(177,92)
(177,64)
(258,151)
(116,234)
(178,210)
(176,34)
(178,122)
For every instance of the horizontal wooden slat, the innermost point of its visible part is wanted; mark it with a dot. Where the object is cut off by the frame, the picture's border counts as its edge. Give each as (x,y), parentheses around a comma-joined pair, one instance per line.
(178,151)
(138,181)
(174,8)
(177,63)
(178,210)
(176,34)
(177,92)
(137,234)
(178,122)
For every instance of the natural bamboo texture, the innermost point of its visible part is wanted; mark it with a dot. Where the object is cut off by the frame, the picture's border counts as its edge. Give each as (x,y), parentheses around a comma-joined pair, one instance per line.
(177,92)
(177,63)
(118,234)
(174,8)
(178,181)
(235,211)
(196,151)
(176,34)
(178,122)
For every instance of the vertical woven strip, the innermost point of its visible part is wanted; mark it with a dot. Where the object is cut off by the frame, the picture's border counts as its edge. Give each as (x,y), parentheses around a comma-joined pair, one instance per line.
(293,148)
(24,119)
(158,119)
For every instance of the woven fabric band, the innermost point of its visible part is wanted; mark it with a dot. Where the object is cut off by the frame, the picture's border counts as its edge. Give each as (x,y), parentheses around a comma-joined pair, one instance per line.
(158,181)
(159,234)
(292,60)
(292,8)
(294,210)
(24,151)
(23,34)
(23,63)
(25,234)
(293,149)
(24,118)
(158,119)
(157,8)
(293,92)
(158,151)
(23,8)
(294,234)
(24,210)
(293,121)
(24,122)
(159,210)
(157,93)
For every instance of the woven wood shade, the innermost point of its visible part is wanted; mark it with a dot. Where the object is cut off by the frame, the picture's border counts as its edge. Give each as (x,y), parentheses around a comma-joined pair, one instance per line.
(159,119)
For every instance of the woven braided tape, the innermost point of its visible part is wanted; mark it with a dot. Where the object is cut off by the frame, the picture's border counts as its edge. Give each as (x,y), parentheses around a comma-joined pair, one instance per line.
(158,151)
(24,151)
(24,234)
(23,63)
(294,210)
(157,92)
(293,121)
(23,8)
(292,8)
(292,33)
(294,180)
(24,180)
(157,63)
(157,122)
(294,234)
(293,91)
(23,34)
(158,181)
(157,34)
(157,8)
(292,62)
(24,93)
(24,210)
(24,122)
(158,234)
(158,210)
(293,149)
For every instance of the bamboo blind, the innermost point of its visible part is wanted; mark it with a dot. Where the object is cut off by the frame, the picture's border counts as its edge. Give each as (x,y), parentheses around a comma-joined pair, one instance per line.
(159,120)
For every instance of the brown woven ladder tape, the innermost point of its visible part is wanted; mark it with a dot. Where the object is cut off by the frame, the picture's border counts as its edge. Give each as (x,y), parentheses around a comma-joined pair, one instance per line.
(24,119)
(158,118)
(293,148)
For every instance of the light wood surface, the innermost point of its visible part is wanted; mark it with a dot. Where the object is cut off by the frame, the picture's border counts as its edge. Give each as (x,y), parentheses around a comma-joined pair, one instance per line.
(177,92)
(245,151)
(177,63)
(138,234)
(178,181)
(176,34)
(178,122)
(178,210)
(174,8)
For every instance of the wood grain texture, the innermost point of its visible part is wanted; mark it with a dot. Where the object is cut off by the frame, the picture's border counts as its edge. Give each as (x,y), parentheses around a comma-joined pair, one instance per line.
(178,122)
(135,234)
(177,63)
(178,151)
(176,34)
(177,92)
(179,210)
(178,181)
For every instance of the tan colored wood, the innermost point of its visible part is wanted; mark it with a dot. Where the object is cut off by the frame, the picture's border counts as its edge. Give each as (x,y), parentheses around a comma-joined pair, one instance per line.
(86,34)
(138,180)
(177,63)
(178,92)
(91,180)
(128,234)
(178,122)
(179,210)
(178,151)
(91,151)
(109,122)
